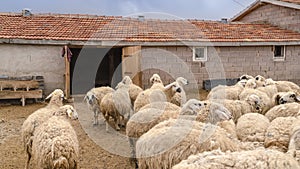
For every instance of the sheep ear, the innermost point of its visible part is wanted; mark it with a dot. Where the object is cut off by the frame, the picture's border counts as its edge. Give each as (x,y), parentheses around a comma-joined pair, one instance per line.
(49,96)
(222,115)
(298,98)
(277,98)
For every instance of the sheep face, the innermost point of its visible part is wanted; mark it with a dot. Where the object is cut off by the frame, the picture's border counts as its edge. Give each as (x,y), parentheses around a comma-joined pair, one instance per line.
(90,99)
(155,79)
(255,102)
(126,80)
(260,80)
(192,107)
(289,97)
(251,84)
(67,110)
(182,81)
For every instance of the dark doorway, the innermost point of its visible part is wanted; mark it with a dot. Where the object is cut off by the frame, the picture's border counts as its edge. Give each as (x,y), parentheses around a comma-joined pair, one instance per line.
(94,67)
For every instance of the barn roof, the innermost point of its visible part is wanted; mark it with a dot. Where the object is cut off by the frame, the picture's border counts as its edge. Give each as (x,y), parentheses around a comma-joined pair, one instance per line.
(63,27)
(295,4)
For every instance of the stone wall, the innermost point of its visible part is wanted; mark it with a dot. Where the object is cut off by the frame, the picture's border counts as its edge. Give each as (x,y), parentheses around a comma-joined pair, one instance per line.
(287,18)
(223,62)
(34,60)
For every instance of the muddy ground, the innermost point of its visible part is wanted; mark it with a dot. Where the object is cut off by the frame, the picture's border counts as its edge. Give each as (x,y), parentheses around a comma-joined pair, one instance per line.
(98,149)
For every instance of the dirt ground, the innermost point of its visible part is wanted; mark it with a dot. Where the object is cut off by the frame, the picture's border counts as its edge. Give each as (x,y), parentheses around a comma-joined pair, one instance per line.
(98,149)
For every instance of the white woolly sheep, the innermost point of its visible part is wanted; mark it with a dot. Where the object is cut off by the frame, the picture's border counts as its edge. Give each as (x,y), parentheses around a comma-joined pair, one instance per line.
(266,102)
(145,119)
(260,81)
(156,95)
(173,140)
(278,133)
(226,92)
(55,143)
(37,118)
(117,105)
(251,104)
(283,110)
(284,86)
(93,99)
(133,91)
(252,127)
(260,158)
(180,98)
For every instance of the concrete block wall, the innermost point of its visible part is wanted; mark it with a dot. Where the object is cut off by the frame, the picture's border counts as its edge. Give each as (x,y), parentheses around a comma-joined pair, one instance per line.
(223,62)
(29,60)
(286,18)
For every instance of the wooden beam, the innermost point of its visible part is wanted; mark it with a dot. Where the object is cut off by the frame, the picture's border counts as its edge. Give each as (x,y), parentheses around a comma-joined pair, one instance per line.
(32,94)
(67,74)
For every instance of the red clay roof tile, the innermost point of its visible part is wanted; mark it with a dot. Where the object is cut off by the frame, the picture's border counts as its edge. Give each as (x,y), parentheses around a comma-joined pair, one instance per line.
(83,28)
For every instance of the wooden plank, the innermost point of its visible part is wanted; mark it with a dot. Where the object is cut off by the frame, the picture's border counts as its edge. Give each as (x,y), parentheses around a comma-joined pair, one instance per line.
(67,74)
(19,84)
(131,64)
(32,94)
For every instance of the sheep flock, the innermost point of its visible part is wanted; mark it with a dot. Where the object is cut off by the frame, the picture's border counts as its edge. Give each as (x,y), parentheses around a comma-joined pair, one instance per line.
(254,123)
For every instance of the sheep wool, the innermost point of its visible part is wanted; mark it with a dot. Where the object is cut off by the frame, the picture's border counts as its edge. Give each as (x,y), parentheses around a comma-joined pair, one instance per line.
(260,158)
(166,106)
(55,145)
(278,133)
(252,127)
(173,140)
(283,110)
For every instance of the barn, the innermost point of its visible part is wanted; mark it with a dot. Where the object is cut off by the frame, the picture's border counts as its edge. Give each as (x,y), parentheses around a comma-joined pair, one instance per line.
(77,52)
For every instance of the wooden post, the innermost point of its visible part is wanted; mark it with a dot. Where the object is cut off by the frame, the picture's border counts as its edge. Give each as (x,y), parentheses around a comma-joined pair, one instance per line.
(67,74)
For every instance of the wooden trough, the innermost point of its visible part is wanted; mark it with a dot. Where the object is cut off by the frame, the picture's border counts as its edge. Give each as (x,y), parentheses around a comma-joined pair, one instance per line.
(20,89)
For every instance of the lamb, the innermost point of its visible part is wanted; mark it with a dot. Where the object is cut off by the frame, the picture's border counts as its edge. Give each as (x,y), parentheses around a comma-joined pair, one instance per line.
(173,140)
(93,99)
(252,127)
(156,95)
(251,104)
(226,92)
(55,143)
(260,81)
(259,158)
(180,98)
(134,90)
(278,133)
(117,105)
(37,118)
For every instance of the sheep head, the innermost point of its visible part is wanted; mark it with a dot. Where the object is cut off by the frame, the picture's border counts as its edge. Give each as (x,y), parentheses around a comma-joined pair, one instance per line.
(288,97)
(255,102)
(127,80)
(218,113)
(260,80)
(245,77)
(90,98)
(67,110)
(182,81)
(192,107)
(251,84)
(57,97)
(175,87)
(155,79)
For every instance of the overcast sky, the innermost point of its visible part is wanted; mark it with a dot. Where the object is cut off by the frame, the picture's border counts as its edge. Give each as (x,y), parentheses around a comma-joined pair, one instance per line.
(191,9)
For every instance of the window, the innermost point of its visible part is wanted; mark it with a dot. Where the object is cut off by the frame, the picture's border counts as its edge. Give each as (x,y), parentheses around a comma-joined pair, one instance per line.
(279,53)
(200,54)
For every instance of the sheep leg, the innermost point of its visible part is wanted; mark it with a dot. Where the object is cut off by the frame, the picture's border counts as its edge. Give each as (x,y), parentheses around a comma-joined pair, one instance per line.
(95,117)
(106,122)
(133,159)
